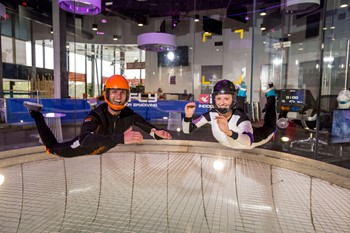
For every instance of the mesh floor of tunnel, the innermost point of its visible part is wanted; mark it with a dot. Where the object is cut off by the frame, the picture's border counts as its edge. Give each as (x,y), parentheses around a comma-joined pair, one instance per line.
(167,192)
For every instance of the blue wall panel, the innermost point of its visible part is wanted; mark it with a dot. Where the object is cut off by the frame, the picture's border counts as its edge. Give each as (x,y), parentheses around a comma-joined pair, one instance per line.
(77,109)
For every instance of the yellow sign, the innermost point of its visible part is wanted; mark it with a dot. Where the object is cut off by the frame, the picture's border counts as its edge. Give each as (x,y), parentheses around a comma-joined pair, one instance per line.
(241,33)
(203,80)
(205,35)
(239,81)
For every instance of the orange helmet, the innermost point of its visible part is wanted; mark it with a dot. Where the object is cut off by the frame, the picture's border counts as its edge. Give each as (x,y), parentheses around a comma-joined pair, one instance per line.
(113,83)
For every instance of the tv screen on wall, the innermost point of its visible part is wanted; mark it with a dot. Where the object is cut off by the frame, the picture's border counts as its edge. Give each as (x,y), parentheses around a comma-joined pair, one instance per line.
(341,126)
(177,57)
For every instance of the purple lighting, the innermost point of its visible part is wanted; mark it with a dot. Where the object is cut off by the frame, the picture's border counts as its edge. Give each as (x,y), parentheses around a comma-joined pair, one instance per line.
(82,7)
(156,41)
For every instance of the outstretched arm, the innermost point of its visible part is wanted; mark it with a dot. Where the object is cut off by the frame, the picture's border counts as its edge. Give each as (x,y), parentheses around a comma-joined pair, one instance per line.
(189,124)
(151,129)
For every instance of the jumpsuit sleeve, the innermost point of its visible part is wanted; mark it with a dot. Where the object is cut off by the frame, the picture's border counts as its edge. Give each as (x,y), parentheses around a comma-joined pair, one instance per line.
(89,138)
(145,126)
(189,125)
(245,134)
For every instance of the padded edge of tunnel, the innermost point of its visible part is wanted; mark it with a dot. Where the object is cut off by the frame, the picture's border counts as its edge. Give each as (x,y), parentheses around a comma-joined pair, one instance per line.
(24,155)
(328,172)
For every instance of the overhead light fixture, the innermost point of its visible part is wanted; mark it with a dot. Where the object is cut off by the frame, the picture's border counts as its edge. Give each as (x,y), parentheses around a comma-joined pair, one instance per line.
(196,18)
(156,41)
(343,3)
(51,31)
(94,27)
(2,12)
(81,7)
(142,20)
(301,6)
(262,27)
(174,21)
(115,37)
(263,12)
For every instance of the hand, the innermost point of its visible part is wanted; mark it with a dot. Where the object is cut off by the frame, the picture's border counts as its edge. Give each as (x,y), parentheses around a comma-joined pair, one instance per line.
(132,137)
(223,125)
(189,109)
(162,133)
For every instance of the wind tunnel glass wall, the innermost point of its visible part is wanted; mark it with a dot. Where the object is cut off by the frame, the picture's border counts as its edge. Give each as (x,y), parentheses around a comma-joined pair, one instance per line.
(306,52)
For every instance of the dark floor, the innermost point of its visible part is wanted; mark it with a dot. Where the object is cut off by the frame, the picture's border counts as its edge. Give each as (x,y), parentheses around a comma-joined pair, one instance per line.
(22,136)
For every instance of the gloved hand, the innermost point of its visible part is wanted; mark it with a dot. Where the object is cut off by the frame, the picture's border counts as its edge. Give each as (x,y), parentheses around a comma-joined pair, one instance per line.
(243,90)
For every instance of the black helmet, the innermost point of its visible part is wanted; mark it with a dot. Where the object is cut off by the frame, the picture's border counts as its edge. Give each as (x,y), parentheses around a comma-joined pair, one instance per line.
(224,87)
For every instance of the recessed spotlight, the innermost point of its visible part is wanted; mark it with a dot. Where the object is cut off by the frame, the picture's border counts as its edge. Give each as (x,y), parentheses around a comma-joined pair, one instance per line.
(196,18)
(263,12)
(343,3)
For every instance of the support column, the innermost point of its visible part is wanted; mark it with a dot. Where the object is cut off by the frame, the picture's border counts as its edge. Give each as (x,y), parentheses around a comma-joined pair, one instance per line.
(59,48)
(122,62)
(33,74)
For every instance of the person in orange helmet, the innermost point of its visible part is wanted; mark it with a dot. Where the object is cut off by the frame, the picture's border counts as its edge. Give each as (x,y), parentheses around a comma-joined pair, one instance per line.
(103,128)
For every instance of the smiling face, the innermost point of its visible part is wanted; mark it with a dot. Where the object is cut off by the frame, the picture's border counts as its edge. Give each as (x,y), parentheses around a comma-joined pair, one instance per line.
(116,92)
(224,96)
(117,98)
(223,101)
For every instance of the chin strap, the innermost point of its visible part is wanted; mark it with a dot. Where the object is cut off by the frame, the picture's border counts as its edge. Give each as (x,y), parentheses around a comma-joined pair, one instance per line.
(222,110)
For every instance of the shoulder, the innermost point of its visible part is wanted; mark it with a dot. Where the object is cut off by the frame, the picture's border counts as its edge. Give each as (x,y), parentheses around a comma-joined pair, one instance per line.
(208,115)
(101,108)
(99,112)
(127,111)
(243,118)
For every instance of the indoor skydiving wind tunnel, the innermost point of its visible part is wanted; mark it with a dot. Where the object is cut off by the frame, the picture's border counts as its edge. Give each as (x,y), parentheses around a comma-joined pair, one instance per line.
(59,54)
(177,186)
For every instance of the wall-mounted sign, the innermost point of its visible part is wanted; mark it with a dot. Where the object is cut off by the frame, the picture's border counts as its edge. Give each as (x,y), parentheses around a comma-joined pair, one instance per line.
(135,65)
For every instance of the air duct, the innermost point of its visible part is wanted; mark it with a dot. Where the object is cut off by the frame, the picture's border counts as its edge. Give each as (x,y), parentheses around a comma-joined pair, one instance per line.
(301,6)
(81,7)
(156,41)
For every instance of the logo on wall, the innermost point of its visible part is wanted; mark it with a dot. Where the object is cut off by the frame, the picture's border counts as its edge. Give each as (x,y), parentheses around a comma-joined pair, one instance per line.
(204,98)
(204,101)
(149,101)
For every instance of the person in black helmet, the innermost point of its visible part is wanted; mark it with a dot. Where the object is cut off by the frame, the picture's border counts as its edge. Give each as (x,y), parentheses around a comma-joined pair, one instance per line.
(230,126)
(103,128)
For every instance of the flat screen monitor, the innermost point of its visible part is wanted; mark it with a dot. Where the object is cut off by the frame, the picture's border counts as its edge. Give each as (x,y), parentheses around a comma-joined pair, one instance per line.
(292,96)
(341,126)
(177,57)
(292,100)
